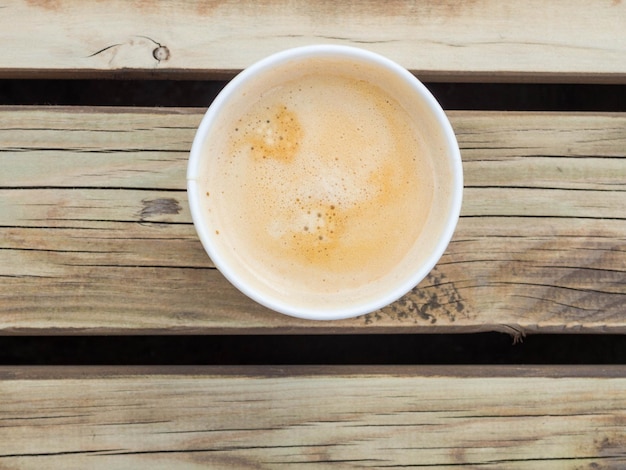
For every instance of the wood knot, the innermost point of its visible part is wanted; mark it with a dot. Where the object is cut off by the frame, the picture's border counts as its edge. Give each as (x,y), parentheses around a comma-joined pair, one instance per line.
(155,208)
(161,53)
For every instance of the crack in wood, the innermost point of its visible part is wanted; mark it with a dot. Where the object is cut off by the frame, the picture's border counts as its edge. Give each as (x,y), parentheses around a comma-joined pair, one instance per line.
(137,266)
(56,454)
(554,286)
(159,53)
(91,151)
(20,276)
(220,449)
(325,461)
(544,188)
(104,49)
(222,430)
(543,217)
(552,301)
(88,188)
(504,461)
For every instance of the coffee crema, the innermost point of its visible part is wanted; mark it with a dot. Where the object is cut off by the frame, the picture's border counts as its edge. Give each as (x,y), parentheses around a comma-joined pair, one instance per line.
(319,185)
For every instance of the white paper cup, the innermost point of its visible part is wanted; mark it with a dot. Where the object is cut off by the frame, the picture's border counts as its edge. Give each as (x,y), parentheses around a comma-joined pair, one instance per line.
(438,228)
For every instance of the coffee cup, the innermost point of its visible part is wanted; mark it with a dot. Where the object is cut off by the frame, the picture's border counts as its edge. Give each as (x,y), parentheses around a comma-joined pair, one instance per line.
(325,182)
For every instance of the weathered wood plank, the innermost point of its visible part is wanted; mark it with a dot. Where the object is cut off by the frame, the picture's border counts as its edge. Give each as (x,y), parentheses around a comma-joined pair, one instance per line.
(484,40)
(541,244)
(148,147)
(550,280)
(96,147)
(266,417)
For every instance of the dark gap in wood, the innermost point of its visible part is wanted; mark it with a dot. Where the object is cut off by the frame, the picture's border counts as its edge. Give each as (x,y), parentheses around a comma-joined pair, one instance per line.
(533,216)
(409,349)
(95,188)
(198,93)
(541,188)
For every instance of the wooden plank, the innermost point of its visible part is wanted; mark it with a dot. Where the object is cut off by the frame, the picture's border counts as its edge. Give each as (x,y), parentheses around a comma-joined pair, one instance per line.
(96,236)
(482,40)
(268,417)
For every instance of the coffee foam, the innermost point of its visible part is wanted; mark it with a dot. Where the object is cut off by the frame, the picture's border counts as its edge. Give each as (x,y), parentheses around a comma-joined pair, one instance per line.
(319,185)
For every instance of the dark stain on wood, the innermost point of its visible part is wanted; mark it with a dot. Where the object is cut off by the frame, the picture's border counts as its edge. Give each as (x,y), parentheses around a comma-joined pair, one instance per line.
(612,446)
(157,207)
(436,298)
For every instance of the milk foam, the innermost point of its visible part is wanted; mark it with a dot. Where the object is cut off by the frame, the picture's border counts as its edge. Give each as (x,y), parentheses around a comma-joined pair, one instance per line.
(322,184)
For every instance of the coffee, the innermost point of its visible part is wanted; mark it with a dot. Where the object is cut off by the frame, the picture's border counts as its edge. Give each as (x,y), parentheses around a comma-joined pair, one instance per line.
(325,182)
(322,183)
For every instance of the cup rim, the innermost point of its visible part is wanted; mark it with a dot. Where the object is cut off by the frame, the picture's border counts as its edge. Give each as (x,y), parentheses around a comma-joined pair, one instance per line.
(409,281)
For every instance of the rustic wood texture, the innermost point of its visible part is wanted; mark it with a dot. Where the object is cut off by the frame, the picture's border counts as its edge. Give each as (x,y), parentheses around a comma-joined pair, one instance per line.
(96,236)
(264,417)
(579,40)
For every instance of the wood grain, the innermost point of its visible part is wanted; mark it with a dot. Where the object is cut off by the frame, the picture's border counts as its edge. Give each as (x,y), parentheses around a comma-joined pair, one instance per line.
(268,417)
(482,40)
(96,236)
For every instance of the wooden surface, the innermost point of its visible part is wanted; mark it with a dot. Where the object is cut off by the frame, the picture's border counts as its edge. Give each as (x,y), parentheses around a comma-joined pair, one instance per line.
(96,238)
(481,40)
(414,417)
(95,232)
(96,235)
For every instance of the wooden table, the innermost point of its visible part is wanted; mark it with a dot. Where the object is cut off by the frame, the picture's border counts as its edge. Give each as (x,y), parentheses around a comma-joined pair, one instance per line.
(96,238)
